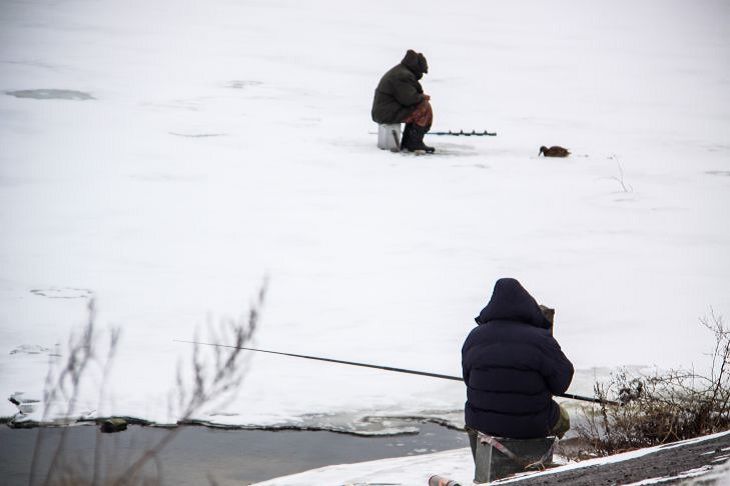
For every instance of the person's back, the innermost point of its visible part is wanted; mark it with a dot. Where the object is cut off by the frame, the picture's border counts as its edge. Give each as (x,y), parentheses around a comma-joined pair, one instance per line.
(512,367)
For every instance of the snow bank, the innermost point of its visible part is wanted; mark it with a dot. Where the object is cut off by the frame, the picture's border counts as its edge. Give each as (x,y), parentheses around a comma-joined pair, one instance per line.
(456,465)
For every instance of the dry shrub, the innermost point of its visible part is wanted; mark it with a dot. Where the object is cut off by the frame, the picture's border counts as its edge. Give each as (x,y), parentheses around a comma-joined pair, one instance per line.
(662,407)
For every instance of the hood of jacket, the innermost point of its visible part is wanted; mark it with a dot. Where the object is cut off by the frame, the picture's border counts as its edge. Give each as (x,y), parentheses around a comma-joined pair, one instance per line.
(415,62)
(511,302)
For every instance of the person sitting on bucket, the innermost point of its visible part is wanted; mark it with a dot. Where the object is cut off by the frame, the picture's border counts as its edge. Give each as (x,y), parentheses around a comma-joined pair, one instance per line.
(399,98)
(512,367)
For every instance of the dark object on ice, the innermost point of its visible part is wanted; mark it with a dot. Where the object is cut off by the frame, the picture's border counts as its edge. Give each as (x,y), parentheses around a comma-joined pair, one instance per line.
(112,425)
(554,151)
(461,133)
(51,94)
(512,367)
(498,457)
(413,139)
(436,480)
(25,405)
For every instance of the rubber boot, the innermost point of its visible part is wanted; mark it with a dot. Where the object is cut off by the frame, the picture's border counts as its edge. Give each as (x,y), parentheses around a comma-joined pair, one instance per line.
(413,139)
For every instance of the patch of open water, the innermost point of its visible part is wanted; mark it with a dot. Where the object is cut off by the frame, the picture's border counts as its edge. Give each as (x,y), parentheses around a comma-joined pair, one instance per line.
(199,453)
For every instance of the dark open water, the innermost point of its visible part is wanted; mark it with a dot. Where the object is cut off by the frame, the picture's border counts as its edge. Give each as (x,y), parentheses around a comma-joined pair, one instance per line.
(228,456)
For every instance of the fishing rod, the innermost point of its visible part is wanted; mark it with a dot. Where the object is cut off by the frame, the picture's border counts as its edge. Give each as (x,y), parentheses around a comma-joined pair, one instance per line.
(380,367)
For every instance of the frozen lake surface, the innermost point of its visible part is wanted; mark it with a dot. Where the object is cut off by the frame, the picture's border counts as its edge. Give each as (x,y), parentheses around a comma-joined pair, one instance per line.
(227,141)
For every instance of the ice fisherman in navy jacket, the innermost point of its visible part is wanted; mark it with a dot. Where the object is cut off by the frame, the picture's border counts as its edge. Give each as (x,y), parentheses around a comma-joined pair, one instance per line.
(512,367)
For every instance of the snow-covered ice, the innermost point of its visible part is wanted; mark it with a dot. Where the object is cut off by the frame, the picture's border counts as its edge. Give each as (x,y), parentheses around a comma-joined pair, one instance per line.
(169,155)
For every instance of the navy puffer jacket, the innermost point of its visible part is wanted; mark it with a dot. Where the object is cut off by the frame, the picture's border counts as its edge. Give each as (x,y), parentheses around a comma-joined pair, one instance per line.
(513,366)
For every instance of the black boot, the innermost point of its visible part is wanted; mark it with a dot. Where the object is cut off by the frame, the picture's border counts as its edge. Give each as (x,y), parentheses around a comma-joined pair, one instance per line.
(405,139)
(413,139)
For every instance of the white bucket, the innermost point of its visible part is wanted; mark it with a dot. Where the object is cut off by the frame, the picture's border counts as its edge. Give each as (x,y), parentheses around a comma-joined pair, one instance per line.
(389,137)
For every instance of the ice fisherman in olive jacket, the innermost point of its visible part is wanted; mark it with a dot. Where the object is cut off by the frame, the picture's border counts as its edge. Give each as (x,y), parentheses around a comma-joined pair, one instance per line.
(399,98)
(512,367)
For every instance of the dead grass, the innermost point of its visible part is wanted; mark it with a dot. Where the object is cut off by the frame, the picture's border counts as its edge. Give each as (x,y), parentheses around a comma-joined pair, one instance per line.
(661,407)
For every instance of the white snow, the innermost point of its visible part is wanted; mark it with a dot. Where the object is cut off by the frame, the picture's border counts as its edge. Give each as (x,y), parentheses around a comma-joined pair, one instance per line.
(193,148)
(719,476)
(692,473)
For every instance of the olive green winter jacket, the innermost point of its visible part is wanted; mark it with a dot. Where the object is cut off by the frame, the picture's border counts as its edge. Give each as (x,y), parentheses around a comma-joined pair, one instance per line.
(399,91)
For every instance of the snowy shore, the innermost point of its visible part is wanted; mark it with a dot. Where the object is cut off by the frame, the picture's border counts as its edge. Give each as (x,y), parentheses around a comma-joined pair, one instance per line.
(712,453)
